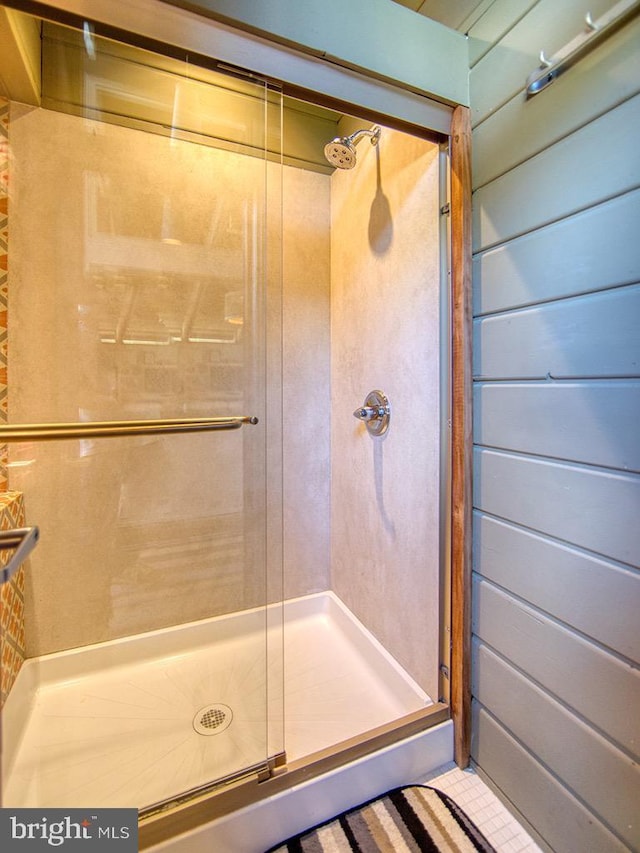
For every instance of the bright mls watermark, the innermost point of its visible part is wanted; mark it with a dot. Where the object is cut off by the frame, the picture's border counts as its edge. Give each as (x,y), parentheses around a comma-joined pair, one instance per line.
(27,830)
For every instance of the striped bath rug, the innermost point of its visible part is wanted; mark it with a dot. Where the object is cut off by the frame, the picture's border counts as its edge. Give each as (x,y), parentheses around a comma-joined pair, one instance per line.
(406,820)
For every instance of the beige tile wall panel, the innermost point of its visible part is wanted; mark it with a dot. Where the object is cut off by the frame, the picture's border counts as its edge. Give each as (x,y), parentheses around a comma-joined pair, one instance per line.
(385,334)
(130,527)
(306,382)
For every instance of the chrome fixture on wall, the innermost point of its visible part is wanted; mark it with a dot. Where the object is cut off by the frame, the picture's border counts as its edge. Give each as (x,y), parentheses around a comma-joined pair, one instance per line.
(341,151)
(21,541)
(376,413)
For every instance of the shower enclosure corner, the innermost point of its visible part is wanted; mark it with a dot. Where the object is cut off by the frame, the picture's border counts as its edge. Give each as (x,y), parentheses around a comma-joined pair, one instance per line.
(235,581)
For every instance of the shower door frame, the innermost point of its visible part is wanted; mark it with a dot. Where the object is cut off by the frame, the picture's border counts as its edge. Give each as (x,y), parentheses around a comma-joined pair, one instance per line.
(176,32)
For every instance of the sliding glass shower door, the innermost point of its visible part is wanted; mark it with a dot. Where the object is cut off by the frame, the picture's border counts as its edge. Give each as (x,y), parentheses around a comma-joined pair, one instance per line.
(144,231)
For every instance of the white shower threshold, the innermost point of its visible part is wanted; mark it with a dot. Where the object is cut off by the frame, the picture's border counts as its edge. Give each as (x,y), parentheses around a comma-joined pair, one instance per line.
(136,721)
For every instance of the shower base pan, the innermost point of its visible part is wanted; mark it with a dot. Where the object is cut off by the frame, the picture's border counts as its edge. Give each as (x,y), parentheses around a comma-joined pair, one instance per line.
(137,721)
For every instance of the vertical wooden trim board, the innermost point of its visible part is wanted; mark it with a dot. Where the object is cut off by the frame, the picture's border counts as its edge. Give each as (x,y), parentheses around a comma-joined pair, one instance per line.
(461,433)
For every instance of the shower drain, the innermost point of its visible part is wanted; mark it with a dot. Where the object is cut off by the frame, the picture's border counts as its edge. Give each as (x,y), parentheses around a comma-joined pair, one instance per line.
(212,719)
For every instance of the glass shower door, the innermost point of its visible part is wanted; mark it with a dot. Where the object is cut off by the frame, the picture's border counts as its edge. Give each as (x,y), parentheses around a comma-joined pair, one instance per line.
(143,245)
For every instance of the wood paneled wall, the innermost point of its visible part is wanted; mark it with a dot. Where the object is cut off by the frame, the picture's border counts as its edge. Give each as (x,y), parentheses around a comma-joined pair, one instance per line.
(556,592)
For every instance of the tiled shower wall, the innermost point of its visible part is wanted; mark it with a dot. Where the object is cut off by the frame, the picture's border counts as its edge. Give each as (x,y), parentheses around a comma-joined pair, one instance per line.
(306,381)
(131,519)
(12,638)
(385,295)
(126,545)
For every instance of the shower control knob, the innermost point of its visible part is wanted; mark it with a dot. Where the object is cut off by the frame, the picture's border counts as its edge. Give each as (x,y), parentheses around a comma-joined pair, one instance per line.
(375,413)
(370,413)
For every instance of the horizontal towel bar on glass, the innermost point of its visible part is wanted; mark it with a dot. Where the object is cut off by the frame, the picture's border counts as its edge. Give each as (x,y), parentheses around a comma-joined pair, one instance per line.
(113,429)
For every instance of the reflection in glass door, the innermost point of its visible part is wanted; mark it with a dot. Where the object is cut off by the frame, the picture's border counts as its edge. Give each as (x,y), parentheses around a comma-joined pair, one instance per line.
(142,193)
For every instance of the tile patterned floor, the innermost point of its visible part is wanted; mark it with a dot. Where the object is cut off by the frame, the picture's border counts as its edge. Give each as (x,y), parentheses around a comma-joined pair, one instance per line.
(483,807)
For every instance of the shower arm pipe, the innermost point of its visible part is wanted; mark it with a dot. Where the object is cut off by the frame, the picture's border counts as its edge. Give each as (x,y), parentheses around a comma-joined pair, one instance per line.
(114,429)
(374,133)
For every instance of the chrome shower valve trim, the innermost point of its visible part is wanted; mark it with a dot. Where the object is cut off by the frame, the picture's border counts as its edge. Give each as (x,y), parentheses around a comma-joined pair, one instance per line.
(375,413)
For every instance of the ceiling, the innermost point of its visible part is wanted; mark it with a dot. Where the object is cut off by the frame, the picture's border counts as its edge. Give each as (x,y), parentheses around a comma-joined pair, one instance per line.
(457,14)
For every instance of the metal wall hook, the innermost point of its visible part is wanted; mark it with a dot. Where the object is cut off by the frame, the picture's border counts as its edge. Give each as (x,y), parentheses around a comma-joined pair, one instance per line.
(596,32)
(375,413)
(589,22)
(544,62)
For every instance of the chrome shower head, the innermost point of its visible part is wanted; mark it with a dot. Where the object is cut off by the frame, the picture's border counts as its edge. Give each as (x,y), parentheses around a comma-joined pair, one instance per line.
(341,151)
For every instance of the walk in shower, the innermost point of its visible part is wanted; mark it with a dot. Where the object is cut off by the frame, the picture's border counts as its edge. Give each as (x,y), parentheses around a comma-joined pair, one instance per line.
(234,574)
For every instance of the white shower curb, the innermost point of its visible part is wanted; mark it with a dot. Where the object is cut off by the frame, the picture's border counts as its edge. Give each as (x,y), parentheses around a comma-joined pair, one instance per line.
(255,828)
